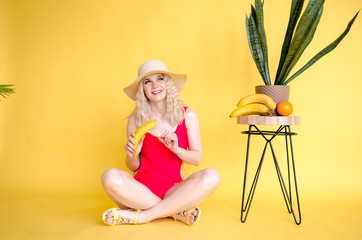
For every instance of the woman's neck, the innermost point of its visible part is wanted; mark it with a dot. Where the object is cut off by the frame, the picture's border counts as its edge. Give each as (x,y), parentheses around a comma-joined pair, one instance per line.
(159,113)
(159,109)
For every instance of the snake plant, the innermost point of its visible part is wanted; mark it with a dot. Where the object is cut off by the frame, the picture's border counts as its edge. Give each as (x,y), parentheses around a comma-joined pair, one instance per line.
(299,34)
(6,90)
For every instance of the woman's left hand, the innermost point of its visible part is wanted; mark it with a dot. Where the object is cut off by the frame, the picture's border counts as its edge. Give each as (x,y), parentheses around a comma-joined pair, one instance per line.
(170,140)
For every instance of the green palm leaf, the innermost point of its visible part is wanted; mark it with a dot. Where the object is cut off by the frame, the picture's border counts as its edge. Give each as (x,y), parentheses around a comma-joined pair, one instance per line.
(6,90)
(326,50)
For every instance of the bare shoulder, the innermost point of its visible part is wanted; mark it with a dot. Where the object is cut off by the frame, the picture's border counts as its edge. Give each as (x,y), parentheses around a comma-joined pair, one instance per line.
(191,118)
(131,125)
(190,113)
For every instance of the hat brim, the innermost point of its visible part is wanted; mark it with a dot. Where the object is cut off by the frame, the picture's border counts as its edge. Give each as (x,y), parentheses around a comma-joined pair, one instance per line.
(179,80)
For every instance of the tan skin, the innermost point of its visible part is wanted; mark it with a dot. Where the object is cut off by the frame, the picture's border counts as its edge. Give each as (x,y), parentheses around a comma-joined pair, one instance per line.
(125,191)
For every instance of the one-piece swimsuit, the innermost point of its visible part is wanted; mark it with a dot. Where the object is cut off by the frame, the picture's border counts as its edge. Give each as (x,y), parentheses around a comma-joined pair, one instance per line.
(160,168)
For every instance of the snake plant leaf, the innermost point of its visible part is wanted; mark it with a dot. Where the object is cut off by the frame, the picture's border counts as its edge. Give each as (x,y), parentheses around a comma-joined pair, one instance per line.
(311,4)
(254,45)
(326,50)
(306,14)
(262,38)
(303,36)
(253,13)
(257,16)
(295,12)
(6,90)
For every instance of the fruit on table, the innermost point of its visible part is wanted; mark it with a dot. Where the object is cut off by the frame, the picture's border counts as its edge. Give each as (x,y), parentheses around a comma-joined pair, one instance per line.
(251,109)
(257,98)
(254,104)
(285,108)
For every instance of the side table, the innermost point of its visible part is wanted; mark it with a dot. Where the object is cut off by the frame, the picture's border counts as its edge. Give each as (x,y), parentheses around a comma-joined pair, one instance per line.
(284,124)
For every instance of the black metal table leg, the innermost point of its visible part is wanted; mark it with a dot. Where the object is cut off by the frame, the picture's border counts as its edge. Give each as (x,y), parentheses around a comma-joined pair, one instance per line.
(245,208)
(287,192)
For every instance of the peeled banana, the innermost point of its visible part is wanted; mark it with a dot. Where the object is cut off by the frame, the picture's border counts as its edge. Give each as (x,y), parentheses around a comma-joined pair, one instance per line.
(258,98)
(251,109)
(142,130)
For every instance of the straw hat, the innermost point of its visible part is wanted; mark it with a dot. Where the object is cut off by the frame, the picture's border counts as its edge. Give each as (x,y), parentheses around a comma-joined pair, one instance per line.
(150,67)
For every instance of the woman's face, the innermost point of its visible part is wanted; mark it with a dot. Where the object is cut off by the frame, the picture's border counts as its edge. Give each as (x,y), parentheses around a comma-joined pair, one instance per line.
(154,87)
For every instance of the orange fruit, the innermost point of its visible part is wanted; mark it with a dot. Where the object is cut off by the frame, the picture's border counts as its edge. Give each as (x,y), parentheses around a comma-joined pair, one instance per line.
(285,108)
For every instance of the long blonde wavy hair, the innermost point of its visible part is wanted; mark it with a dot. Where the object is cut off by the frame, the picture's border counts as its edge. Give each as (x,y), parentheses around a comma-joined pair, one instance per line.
(175,105)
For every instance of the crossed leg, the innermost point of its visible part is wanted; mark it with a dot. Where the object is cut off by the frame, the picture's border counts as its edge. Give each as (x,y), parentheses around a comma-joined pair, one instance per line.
(126,192)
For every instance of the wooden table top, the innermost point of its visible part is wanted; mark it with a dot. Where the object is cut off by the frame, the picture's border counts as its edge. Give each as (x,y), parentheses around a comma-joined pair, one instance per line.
(266,120)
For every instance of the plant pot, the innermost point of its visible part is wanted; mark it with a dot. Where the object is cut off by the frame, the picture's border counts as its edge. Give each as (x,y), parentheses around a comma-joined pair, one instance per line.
(279,93)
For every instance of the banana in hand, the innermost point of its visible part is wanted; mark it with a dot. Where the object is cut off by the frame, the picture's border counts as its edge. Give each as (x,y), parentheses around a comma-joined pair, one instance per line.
(142,130)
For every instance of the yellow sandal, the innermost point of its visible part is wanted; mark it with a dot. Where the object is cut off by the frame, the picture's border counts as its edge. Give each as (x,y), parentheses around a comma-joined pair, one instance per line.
(119,220)
(187,215)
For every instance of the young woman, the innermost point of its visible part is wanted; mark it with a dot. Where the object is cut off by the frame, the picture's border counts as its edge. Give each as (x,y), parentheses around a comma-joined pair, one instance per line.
(157,188)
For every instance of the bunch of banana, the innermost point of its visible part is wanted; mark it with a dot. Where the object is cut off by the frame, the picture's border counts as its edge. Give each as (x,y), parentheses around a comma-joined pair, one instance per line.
(255,104)
(142,130)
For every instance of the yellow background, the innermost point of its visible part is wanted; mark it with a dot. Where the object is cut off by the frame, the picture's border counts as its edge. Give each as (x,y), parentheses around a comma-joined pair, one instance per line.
(66,124)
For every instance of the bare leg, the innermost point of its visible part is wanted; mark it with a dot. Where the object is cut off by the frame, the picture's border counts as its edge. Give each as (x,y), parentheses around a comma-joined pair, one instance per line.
(126,192)
(185,195)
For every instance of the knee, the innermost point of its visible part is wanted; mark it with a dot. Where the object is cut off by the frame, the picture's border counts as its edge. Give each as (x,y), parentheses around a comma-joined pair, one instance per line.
(112,177)
(210,178)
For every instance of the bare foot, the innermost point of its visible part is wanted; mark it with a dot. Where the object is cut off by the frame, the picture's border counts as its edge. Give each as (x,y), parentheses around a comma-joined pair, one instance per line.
(192,217)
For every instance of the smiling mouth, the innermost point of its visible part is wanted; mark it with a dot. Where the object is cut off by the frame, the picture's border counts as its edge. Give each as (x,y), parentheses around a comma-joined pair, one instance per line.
(156,92)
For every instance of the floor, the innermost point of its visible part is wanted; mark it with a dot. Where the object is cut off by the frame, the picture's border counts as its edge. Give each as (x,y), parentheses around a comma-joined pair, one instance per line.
(79,217)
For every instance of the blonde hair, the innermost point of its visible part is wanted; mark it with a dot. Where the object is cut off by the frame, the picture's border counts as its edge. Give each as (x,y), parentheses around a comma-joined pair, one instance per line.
(175,105)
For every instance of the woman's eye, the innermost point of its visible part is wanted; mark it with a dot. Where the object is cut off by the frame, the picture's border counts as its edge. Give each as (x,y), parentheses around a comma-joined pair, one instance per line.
(147,81)
(160,79)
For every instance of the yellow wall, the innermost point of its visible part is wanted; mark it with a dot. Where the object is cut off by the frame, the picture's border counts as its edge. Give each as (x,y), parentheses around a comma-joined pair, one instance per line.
(71,59)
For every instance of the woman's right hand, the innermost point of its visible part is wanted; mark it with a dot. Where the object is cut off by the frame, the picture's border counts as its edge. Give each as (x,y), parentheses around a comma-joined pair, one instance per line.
(130,146)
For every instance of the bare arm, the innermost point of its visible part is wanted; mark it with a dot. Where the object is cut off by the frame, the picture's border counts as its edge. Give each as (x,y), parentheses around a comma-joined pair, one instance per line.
(131,161)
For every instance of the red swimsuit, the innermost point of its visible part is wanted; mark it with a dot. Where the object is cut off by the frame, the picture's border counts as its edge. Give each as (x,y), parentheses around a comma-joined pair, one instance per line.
(160,168)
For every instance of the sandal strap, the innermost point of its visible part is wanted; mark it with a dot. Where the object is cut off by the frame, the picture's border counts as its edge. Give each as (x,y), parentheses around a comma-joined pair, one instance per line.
(187,214)
(135,219)
(115,216)
(117,219)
